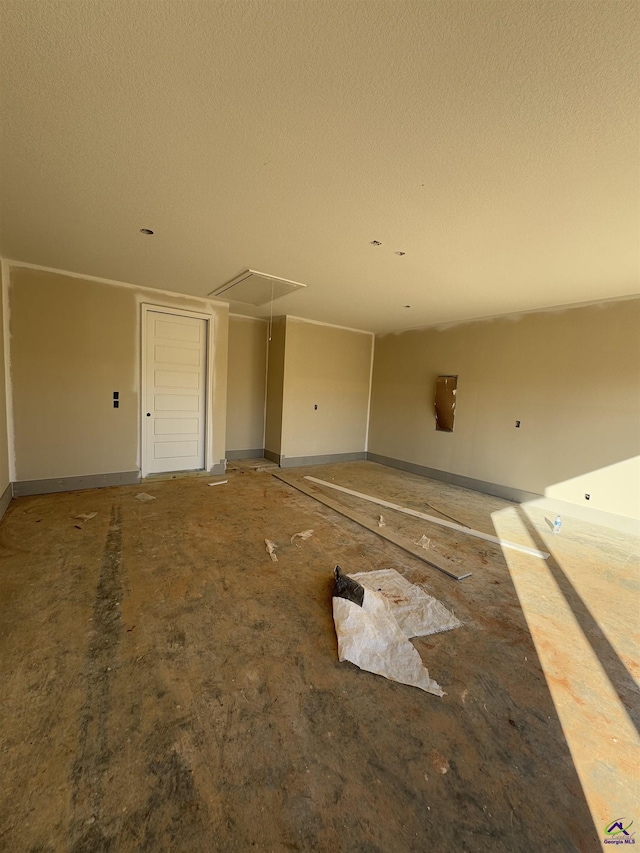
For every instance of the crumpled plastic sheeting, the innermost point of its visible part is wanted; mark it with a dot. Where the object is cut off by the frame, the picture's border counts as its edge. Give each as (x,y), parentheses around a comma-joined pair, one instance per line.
(417,613)
(375,636)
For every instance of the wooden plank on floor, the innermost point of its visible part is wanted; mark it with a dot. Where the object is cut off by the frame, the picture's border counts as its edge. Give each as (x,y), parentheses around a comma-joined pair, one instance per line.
(488,537)
(435,561)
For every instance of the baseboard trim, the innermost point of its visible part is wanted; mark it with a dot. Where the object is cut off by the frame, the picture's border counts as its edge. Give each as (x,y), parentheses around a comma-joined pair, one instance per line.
(271,456)
(22,488)
(327,459)
(256,453)
(495,489)
(219,468)
(595,516)
(5,500)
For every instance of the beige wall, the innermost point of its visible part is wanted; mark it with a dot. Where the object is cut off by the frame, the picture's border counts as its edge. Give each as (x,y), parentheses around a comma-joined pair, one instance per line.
(571,377)
(275,386)
(329,367)
(73,343)
(246,383)
(4,443)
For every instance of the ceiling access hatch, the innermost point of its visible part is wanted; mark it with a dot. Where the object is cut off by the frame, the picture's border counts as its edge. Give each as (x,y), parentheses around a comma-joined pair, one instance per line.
(255,288)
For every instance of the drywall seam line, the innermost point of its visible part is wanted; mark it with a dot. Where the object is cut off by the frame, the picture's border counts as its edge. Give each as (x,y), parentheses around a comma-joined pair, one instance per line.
(440,563)
(248,317)
(330,325)
(514,316)
(142,402)
(266,384)
(211,339)
(284,380)
(6,332)
(373,352)
(450,524)
(115,283)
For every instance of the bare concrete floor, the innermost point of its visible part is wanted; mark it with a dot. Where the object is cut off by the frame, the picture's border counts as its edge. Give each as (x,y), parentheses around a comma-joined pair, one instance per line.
(165,686)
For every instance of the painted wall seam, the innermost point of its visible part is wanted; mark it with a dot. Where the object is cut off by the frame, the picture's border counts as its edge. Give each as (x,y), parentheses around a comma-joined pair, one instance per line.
(366,435)
(6,323)
(116,283)
(330,325)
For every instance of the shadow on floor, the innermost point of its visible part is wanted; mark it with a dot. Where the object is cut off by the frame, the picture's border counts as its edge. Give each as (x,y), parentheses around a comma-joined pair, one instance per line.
(615,669)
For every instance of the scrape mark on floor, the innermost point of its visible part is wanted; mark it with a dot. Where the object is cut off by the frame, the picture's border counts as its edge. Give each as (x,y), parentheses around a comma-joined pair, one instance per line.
(171,817)
(93,752)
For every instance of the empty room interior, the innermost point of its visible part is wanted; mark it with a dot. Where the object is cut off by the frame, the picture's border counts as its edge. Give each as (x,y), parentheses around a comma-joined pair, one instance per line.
(319,425)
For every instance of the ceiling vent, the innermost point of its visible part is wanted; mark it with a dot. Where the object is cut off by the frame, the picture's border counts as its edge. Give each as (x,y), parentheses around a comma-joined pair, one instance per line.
(255,288)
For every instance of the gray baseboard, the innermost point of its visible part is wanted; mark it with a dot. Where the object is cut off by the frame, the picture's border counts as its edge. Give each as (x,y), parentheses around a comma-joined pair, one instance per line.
(257,453)
(328,459)
(5,500)
(219,468)
(74,484)
(271,456)
(495,489)
(552,505)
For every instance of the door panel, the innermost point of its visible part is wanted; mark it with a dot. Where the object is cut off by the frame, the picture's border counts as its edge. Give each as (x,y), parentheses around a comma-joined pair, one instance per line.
(176,358)
(175,355)
(175,449)
(173,379)
(177,328)
(169,426)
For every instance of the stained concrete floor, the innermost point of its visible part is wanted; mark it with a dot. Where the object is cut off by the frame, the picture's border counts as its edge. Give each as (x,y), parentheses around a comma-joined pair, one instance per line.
(165,686)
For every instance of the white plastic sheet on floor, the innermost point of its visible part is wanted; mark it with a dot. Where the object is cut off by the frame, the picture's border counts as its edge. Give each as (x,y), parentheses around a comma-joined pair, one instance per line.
(375,637)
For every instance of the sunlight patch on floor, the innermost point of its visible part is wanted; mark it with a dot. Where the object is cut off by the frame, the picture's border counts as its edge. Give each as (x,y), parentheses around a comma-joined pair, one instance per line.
(575,585)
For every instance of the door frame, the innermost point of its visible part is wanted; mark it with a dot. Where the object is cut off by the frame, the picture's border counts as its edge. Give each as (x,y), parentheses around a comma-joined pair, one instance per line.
(147,308)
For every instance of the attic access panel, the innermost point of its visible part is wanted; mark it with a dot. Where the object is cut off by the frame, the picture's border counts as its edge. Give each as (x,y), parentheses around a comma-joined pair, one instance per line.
(256,288)
(445,402)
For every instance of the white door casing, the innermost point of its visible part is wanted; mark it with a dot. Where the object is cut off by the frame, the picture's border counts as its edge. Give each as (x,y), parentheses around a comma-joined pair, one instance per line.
(174,390)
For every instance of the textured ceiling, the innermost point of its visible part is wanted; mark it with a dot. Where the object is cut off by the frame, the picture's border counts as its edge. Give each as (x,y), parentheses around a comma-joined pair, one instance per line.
(496,143)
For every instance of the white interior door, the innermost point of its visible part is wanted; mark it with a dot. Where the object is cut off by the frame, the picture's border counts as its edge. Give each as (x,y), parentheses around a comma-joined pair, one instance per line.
(175,392)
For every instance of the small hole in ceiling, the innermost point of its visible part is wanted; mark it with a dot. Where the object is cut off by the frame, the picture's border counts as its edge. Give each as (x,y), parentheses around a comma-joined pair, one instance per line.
(376,243)
(407,306)
(146,231)
(400,253)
